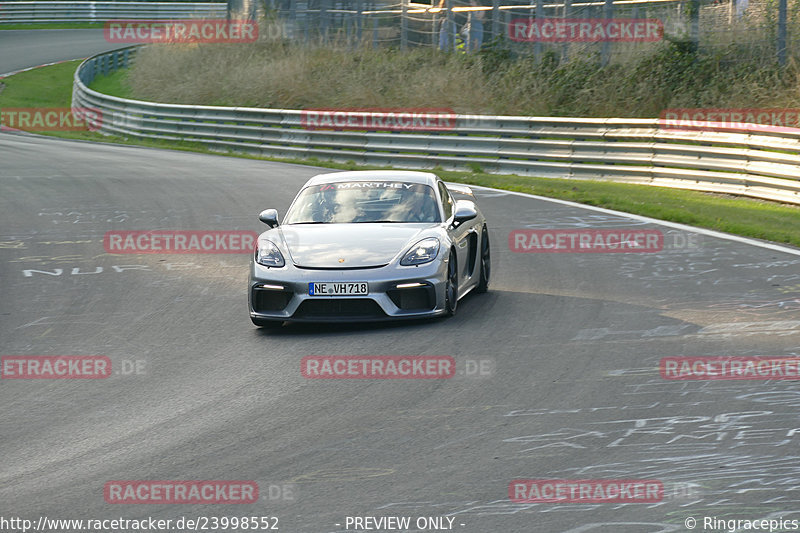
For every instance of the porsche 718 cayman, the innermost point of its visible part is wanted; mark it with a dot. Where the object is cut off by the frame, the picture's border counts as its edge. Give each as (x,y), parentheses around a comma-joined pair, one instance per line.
(369,245)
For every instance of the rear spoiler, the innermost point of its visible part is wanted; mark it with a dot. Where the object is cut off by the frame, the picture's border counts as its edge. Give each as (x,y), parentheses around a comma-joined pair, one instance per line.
(461,189)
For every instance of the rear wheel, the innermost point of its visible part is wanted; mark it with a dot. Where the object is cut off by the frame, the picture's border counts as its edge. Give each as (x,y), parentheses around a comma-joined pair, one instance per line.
(486,262)
(451,287)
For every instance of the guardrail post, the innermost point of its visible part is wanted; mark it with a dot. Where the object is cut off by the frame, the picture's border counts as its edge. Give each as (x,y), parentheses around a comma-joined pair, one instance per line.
(323,19)
(507,17)
(537,48)
(293,17)
(403,24)
(495,19)
(374,28)
(434,29)
(359,19)
(306,24)
(608,12)
(338,20)
(241,9)
(87,75)
(566,13)
(781,32)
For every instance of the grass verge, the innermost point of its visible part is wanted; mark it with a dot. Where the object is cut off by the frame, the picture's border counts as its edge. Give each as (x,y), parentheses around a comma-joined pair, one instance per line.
(52,87)
(43,87)
(115,84)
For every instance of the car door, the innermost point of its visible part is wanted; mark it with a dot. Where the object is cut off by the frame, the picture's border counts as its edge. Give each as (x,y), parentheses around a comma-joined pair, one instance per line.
(459,235)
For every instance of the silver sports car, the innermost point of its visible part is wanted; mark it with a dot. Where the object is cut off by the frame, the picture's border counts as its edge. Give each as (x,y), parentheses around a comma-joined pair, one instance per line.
(369,245)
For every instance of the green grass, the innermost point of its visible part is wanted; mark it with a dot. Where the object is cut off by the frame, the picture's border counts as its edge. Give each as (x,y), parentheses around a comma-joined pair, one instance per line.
(52,87)
(741,216)
(115,84)
(43,87)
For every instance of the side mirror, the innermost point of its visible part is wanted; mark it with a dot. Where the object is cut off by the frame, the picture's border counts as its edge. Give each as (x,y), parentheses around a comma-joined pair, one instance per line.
(465,210)
(269,217)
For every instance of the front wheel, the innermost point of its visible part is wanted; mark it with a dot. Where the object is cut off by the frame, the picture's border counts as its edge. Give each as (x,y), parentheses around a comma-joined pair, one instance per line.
(486,262)
(451,287)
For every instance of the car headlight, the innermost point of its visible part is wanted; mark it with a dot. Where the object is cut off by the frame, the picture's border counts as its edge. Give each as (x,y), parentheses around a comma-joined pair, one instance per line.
(423,252)
(267,254)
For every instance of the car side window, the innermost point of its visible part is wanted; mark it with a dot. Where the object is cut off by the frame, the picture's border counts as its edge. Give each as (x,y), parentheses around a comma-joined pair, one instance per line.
(447,201)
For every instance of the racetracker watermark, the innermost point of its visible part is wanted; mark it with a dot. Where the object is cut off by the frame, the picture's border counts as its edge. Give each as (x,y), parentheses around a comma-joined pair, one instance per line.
(272,493)
(179,242)
(586,30)
(378,367)
(683,241)
(50,119)
(391,119)
(189,492)
(181,31)
(55,367)
(729,368)
(585,491)
(760,119)
(586,240)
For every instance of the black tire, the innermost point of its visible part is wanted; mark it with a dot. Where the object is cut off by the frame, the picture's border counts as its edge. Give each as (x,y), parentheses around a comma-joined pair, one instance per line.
(266,323)
(451,287)
(486,262)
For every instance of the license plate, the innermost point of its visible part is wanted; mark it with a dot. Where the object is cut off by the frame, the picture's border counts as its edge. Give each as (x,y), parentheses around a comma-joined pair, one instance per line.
(335,288)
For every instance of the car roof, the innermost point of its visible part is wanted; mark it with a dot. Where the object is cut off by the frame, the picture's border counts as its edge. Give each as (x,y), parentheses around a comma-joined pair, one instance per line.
(407,176)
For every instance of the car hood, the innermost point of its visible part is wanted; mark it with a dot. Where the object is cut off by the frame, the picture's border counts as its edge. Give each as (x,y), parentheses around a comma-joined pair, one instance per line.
(348,245)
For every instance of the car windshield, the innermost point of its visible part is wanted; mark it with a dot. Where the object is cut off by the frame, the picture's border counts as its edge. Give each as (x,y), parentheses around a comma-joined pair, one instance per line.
(363,202)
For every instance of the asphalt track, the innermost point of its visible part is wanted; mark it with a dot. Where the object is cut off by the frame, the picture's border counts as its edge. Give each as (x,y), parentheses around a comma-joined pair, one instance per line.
(21,49)
(573,343)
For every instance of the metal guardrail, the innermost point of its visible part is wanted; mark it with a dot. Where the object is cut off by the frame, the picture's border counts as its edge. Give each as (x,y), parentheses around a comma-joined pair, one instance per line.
(733,160)
(67,11)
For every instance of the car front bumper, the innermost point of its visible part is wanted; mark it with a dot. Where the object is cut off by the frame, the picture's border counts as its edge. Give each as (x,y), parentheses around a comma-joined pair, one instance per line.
(395,292)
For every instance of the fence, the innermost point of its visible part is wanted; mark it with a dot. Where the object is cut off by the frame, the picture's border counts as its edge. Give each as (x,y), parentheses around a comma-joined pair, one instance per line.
(762,26)
(462,25)
(40,12)
(735,160)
